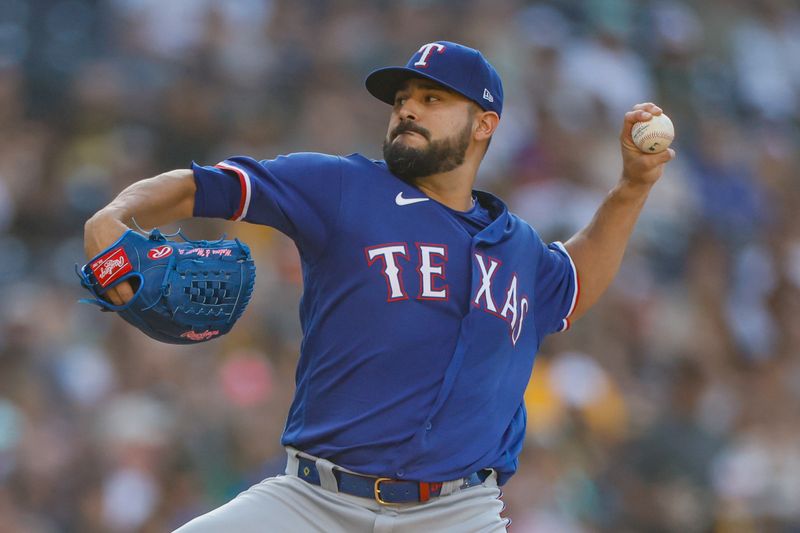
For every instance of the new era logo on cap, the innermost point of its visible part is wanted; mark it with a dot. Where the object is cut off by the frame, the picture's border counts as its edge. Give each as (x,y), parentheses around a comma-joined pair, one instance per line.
(455,66)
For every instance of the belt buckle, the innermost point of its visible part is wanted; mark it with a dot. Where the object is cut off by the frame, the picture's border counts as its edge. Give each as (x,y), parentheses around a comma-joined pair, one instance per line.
(377,491)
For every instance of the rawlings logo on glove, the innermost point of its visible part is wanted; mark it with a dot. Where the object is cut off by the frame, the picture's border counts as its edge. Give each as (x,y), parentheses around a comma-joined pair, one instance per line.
(111,266)
(185,292)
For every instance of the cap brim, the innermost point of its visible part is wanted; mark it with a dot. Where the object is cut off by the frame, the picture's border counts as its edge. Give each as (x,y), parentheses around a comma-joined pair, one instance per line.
(384,82)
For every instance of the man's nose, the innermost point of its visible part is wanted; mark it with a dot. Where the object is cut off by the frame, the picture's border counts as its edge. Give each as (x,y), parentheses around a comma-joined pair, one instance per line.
(408,110)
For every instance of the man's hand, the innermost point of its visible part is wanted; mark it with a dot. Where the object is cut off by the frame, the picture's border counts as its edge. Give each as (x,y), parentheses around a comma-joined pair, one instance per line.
(195,290)
(163,199)
(100,232)
(597,249)
(639,168)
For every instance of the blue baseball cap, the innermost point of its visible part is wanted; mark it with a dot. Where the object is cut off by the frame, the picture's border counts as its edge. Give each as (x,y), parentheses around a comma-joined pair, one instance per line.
(457,67)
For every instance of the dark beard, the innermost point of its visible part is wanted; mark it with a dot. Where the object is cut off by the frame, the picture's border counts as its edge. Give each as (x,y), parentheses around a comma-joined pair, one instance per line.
(409,163)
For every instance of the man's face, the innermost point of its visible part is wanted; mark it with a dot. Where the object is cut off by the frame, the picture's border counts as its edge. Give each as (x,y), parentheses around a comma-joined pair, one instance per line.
(429,130)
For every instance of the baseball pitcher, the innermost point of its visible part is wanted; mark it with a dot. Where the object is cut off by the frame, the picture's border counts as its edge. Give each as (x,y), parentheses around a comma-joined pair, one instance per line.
(425,302)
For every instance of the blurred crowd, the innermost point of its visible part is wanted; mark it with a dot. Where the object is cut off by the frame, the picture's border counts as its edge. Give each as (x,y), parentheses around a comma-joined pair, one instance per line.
(673,406)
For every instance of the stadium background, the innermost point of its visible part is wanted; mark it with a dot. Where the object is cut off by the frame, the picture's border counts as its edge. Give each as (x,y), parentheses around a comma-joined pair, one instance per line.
(672,407)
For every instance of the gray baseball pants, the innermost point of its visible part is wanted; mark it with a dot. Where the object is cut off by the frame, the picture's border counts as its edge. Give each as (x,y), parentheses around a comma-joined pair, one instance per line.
(289,504)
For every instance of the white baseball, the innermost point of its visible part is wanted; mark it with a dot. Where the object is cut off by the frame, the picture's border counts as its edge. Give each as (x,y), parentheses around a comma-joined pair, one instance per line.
(655,135)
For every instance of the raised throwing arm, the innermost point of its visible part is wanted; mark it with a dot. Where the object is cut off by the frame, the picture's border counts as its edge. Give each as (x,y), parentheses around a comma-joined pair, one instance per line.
(598,248)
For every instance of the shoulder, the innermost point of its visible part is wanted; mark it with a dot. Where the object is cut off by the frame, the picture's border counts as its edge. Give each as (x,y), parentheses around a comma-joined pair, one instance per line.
(310,160)
(358,161)
(521,225)
(315,161)
(527,235)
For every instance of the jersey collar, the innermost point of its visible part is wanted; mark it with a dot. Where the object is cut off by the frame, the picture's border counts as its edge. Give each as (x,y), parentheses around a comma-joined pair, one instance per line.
(502,225)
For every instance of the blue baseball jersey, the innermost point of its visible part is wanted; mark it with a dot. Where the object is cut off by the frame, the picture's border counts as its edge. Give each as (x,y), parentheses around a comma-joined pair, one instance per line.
(420,323)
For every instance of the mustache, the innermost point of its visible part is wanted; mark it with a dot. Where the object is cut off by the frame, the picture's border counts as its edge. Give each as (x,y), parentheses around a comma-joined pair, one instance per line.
(407,126)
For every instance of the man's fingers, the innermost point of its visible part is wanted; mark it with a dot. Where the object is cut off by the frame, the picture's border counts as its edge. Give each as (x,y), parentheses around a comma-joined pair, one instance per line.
(641,113)
(125,291)
(631,118)
(650,107)
(664,157)
(653,160)
(120,294)
(113,296)
(638,115)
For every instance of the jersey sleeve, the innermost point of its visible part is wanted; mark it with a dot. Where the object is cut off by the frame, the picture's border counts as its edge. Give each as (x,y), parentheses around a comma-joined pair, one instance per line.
(557,289)
(298,194)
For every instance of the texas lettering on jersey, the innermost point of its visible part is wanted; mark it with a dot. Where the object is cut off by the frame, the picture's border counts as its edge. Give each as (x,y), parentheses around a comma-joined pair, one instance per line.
(432,262)
(420,323)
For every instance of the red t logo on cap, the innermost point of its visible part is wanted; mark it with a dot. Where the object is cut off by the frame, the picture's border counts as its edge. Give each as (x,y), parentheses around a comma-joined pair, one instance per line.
(426,50)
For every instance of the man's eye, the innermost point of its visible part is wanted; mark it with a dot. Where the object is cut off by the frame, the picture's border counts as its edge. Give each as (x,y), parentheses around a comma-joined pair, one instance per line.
(431,98)
(400,100)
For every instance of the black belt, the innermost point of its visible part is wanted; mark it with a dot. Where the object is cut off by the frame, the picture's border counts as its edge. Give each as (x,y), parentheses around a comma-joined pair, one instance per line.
(383,489)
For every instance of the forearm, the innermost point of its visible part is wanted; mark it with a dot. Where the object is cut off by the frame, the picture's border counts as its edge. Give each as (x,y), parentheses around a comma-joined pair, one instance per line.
(597,250)
(153,202)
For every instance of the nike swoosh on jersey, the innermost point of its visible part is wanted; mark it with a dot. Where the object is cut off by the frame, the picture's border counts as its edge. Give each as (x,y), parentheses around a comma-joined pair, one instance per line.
(399,200)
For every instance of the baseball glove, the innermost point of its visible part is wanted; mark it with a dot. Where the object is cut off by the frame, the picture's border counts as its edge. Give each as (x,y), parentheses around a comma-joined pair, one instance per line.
(184,292)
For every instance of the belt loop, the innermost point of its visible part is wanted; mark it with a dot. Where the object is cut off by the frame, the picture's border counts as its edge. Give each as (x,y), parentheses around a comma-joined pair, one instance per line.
(292,464)
(491,479)
(449,487)
(424,491)
(326,478)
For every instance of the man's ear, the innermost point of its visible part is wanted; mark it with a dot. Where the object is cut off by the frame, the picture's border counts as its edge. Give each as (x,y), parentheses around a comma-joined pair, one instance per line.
(486,124)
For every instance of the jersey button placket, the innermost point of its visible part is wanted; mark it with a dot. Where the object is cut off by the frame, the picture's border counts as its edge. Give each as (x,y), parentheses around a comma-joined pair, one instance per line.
(428,425)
